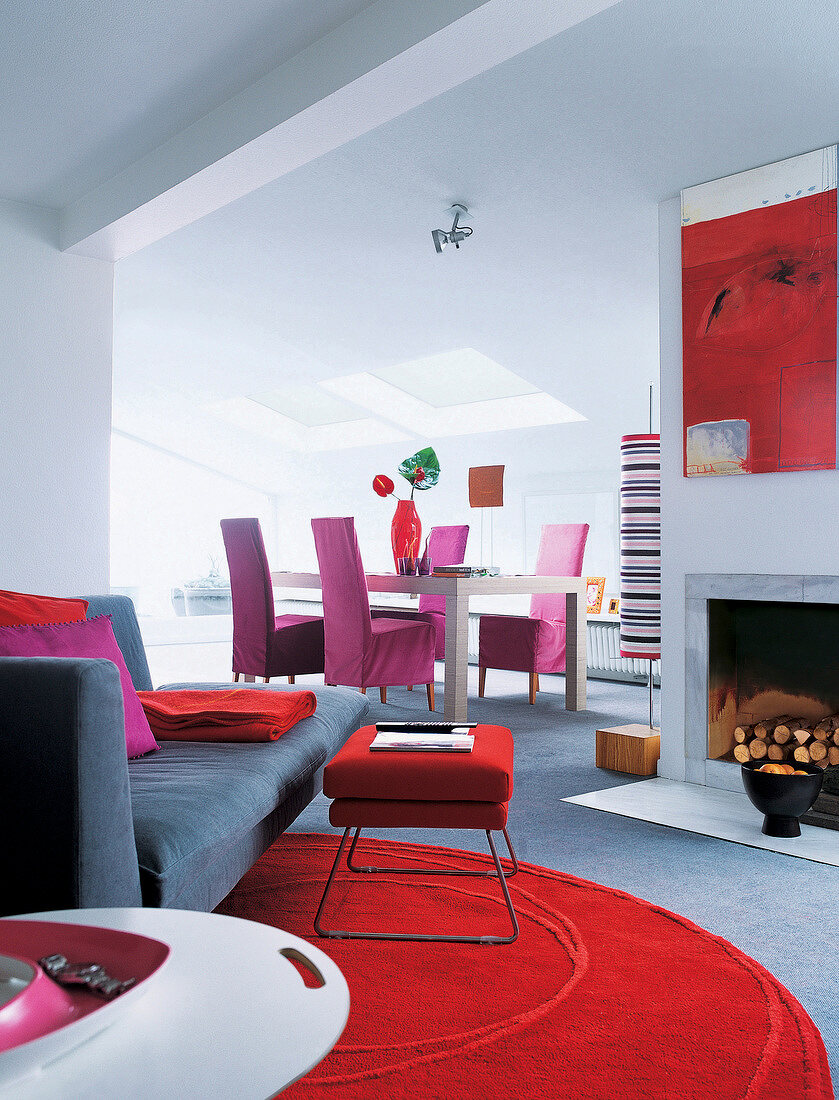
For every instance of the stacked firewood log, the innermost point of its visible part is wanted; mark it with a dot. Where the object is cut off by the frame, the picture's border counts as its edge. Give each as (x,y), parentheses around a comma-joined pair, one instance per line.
(787,739)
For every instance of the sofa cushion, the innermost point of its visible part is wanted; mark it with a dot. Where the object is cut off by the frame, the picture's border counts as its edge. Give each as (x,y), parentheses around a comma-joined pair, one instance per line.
(196,804)
(88,638)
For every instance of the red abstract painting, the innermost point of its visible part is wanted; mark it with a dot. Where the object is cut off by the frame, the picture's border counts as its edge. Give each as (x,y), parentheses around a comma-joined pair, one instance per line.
(759,322)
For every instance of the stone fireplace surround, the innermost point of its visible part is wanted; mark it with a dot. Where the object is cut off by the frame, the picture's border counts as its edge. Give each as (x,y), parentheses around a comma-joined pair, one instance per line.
(699,589)
(712,802)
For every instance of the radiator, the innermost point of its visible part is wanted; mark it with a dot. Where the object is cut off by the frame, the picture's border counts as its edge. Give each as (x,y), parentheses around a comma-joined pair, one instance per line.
(603,656)
(603,659)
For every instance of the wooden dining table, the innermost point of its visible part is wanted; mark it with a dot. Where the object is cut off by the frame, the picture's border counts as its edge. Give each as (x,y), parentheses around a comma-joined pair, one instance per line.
(457,591)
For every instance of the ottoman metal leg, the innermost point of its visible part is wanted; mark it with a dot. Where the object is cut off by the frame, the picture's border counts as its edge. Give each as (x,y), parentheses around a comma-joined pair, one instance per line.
(499,873)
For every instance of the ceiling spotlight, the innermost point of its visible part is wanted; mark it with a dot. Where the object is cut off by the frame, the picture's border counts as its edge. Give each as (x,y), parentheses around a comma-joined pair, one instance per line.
(456,234)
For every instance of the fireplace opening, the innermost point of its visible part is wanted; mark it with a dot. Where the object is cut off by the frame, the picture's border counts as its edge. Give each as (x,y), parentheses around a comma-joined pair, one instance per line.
(773,688)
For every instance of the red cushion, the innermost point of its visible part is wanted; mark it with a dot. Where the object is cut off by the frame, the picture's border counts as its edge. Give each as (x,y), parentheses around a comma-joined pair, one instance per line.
(402,813)
(483,775)
(23,609)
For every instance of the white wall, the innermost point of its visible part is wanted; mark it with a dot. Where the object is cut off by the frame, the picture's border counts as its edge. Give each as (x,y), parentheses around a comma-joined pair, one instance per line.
(56,320)
(165,514)
(756,523)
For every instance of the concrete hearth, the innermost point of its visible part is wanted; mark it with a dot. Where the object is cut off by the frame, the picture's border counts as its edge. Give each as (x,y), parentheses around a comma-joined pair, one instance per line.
(711,812)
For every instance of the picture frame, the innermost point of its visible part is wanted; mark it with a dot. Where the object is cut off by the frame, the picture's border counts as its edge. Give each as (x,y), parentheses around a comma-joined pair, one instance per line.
(756,402)
(614,605)
(595,587)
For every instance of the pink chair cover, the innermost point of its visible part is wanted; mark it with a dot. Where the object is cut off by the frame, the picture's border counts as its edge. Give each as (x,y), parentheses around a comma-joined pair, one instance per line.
(446,546)
(561,551)
(537,643)
(361,651)
(265,645)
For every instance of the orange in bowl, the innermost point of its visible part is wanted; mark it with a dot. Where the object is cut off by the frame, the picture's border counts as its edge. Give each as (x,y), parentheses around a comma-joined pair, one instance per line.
(781,769)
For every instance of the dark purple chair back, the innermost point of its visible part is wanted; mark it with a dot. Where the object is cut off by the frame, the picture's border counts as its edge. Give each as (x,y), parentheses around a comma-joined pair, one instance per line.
(347,628)
(446,546)
(253,595)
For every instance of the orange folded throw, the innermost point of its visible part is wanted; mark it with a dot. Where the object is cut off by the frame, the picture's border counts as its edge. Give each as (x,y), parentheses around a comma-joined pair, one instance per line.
(238,714)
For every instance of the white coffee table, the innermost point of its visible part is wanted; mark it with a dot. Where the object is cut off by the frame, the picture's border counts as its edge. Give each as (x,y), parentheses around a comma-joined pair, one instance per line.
(228,1015)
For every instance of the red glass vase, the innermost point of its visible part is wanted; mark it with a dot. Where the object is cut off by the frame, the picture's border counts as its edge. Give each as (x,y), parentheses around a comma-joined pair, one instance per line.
(405,532)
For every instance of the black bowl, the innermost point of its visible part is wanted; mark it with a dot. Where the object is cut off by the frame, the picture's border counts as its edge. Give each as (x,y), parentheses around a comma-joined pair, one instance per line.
(782,798)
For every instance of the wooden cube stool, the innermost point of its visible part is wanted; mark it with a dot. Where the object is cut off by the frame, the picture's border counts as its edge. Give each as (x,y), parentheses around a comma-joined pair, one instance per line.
(634,749)
(422,790)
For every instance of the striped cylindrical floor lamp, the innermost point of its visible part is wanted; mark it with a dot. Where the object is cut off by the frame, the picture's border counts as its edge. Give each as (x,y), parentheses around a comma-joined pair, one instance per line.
(640,545)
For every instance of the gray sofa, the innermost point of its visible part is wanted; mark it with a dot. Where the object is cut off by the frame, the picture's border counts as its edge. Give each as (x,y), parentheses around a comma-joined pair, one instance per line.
(178,828)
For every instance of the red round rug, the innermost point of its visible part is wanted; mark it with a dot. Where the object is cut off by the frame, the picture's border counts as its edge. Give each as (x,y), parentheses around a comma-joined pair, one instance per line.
(602,997)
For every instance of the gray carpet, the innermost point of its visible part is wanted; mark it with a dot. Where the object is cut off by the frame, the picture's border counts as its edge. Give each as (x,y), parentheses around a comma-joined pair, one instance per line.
(781,911)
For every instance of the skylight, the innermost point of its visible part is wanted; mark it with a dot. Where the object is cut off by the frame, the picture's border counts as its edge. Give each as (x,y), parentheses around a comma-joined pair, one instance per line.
(460,392)
(527,410)
(456,377)
(308,404)
(253,416)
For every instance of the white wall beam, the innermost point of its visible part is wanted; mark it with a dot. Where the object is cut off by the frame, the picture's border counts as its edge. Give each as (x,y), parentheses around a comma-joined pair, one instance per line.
(390,58)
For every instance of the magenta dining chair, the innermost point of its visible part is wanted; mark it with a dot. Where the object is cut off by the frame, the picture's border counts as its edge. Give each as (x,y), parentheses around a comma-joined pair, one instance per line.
(361,651)
(535,643)
(446,546)
(265,644)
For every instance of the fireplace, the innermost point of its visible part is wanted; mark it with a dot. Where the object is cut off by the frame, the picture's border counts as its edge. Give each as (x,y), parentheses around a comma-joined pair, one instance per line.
(762,674)
(767,659)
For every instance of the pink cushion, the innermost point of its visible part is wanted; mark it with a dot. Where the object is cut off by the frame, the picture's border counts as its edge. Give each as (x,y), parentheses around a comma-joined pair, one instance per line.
(88,638)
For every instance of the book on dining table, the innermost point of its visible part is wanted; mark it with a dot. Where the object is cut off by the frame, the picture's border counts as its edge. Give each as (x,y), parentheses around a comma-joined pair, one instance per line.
(466,570)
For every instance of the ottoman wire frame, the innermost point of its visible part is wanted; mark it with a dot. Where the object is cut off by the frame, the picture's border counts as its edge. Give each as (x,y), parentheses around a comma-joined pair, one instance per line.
(499,873)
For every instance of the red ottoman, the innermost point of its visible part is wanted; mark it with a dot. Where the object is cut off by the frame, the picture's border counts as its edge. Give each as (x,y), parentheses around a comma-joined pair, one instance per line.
(416,790)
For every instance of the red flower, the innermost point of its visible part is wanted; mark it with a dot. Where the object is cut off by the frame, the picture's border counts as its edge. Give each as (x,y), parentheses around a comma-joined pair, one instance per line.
(419,475)
(382,485)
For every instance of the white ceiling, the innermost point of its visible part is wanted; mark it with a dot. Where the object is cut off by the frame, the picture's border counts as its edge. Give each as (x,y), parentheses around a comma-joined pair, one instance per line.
(562,155)
(89,87)
(331,272)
